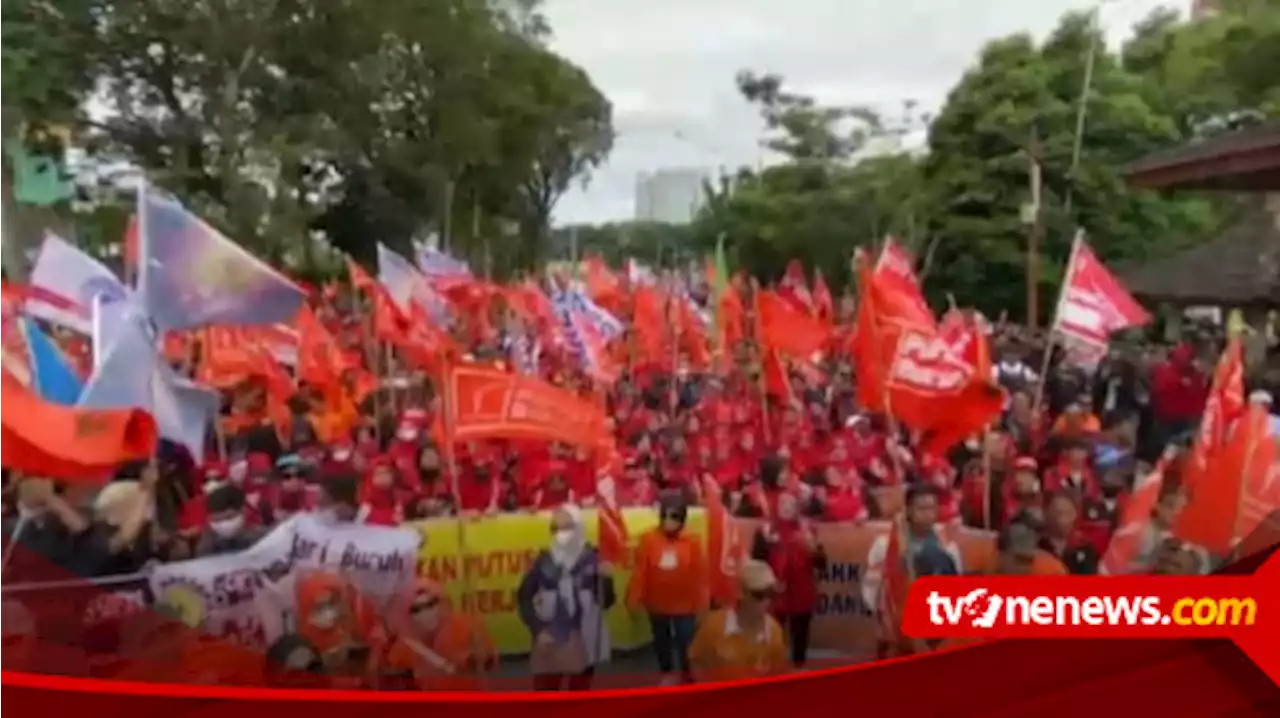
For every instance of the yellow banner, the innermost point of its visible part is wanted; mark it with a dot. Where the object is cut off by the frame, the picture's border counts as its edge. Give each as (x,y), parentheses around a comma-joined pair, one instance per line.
(500,550)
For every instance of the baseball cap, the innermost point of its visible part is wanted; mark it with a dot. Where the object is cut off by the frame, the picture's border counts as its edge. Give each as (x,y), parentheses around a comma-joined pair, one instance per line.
(756,576)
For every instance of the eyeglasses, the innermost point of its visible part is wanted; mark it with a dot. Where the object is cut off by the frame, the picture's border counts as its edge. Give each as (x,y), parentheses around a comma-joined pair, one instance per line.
(426,605)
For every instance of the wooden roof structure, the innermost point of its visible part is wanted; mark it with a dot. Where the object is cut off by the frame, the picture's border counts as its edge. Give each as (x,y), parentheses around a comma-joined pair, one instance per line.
(1239,268)
(1246,160)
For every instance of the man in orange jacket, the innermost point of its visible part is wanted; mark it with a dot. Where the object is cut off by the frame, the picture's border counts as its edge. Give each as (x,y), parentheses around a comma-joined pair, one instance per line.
(670,583)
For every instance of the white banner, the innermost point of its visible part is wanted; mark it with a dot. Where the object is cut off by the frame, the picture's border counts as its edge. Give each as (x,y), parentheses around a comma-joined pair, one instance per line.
(379,560)
(230,597)
(248,597)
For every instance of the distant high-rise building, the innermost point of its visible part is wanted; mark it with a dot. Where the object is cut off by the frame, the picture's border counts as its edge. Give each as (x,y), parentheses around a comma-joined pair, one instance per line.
(1203,8)
(673,196)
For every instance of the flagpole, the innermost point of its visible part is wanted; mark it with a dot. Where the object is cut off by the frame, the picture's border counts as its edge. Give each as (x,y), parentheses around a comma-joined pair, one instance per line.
(1051,337)
(445,382)
(141,260)
(761,386)
(1242,496)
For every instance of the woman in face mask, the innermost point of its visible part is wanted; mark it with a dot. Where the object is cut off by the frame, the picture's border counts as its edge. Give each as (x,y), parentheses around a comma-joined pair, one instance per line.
(341,624)
(439,648)
(225,530)
(561,601)
(382,497)
(670,584)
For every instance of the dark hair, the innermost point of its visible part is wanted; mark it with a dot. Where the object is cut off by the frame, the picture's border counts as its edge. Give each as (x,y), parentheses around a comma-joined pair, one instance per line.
(343,489)
(1021,533)
(919,491)
(771,470)
(224,498)
(673,503)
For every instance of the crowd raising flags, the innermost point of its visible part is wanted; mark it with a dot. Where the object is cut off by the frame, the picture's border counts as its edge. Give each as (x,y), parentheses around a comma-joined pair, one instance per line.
(930,376)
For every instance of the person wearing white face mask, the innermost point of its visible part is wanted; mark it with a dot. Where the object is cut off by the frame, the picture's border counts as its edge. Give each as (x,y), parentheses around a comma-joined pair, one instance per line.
(225,529)
(561,601)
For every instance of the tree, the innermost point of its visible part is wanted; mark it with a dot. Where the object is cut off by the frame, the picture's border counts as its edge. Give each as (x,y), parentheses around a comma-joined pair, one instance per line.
(45,80)
(1021,100)
(829,194)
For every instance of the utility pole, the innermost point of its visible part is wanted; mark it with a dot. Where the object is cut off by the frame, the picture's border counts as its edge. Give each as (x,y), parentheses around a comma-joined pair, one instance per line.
(446,229)
(1033,218)
(1082,105)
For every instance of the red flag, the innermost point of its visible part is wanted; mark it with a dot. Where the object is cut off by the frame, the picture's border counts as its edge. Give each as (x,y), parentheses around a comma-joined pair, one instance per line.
(787,330)
(1135,520)
(1093,304)
(794,289)
(724,546)
(1238,489)
(823,305)
(896,268)
(612,528)
(1225,406)
(894,586)
(936,380)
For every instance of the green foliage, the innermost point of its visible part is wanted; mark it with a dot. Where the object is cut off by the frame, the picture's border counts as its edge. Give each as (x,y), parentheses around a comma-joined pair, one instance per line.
(654,243)
(361,121)
(959,204)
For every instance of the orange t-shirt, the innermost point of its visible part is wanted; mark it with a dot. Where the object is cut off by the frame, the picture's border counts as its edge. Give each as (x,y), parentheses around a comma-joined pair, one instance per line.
(723,651)
(669,577)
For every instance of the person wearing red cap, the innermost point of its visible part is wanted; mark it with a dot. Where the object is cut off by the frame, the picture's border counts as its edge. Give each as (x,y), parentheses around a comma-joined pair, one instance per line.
(1023,494)
(1073,471)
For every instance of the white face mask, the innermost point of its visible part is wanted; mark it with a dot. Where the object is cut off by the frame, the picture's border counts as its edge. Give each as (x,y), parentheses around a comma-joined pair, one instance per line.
(427,620)
(407,435)
(324,618)
(227,527)
(563,538)
(341,455)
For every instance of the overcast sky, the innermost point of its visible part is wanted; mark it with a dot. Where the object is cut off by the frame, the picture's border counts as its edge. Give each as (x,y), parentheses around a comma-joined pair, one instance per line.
(668,67)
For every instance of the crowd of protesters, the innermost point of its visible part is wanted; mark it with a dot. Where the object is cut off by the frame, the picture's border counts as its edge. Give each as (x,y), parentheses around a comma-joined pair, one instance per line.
(1050,477)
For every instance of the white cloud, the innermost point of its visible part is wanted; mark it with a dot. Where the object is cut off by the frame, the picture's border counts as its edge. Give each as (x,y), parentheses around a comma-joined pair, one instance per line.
(668,66)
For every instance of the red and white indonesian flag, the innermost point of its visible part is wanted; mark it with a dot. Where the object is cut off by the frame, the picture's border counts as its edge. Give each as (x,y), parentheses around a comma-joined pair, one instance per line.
(64,283)
(1093,305)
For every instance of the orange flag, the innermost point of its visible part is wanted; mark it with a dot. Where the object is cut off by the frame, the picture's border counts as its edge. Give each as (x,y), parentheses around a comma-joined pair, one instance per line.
(484,403)
(70,444)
